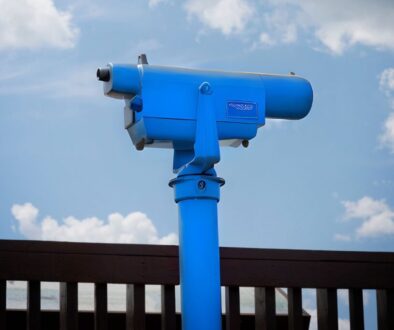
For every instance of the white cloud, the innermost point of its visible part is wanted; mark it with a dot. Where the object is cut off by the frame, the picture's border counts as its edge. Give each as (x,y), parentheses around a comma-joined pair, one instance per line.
(364,208)
(26,215)
(135,227)
(35,24)
(387,137)
(281,26)
(380,224)
(228,16)
(376,216)
(266,39)
(337,24)
(343,324)
(386,83)
(342,238)
(341,24)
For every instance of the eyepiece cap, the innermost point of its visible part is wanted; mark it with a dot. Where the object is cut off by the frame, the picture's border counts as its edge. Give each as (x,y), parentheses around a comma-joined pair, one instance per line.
(103,74)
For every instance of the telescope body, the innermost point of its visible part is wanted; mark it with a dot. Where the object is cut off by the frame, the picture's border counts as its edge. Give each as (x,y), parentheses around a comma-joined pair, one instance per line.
(162,102)
(192,111)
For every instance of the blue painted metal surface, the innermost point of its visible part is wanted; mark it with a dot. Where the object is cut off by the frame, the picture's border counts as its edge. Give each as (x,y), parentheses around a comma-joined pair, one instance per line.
(197,197)
(170,98)
(191,111)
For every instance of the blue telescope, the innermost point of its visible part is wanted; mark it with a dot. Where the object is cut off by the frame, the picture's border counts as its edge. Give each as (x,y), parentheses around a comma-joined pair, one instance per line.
(194,112)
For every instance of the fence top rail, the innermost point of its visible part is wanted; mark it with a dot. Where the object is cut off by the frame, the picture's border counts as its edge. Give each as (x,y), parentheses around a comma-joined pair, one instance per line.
(146,250)
(158,264)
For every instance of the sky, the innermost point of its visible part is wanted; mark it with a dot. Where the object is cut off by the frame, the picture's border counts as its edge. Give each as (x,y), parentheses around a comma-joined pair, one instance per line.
(70,172)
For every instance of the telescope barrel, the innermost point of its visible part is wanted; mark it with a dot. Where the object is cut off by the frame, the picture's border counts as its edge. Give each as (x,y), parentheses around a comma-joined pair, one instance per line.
(286,96)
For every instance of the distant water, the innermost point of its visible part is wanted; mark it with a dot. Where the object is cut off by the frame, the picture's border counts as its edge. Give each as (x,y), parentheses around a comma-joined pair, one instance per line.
(16,297)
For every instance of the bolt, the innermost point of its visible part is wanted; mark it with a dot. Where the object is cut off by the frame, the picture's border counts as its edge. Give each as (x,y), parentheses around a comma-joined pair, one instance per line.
(201,184)
(205,88)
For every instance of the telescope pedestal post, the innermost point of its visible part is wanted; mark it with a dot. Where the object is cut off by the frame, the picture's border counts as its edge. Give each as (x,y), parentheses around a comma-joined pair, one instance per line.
(197,197)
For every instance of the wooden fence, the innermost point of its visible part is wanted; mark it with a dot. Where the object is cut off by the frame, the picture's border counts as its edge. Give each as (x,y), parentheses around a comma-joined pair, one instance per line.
(140,265)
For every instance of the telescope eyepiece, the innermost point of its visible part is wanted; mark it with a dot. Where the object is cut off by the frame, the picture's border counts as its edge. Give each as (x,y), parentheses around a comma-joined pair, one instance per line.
(103,74)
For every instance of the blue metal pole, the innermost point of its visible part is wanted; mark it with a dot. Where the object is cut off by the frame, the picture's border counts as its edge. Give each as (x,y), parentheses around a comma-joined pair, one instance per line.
(197,197)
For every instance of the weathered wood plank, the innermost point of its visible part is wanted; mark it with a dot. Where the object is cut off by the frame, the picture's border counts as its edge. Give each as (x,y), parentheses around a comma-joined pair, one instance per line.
(100,306)
(233,317)
(168,316)
(306,274)
(294,296)
(82,262)
(69,306)
(3,301)
(89,268)
(33,305)
(135,307)
(327,309)
(385,309)
(172,251)
(356,309)
(265,318)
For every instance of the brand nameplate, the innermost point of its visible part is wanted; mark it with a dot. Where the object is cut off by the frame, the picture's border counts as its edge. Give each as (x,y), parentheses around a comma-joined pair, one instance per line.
(242,109)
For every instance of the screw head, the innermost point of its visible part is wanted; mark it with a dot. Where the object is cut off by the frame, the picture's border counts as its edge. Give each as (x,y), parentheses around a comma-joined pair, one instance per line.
(201,184)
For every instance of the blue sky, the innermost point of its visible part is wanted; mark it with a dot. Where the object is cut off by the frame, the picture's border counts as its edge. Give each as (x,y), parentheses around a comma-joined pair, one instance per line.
(69,170)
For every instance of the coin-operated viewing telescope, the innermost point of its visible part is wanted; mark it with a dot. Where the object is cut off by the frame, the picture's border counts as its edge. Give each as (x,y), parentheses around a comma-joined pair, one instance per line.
(193,112)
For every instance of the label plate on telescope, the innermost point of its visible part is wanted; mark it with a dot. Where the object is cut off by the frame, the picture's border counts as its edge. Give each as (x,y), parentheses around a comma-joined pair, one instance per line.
(242,109)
